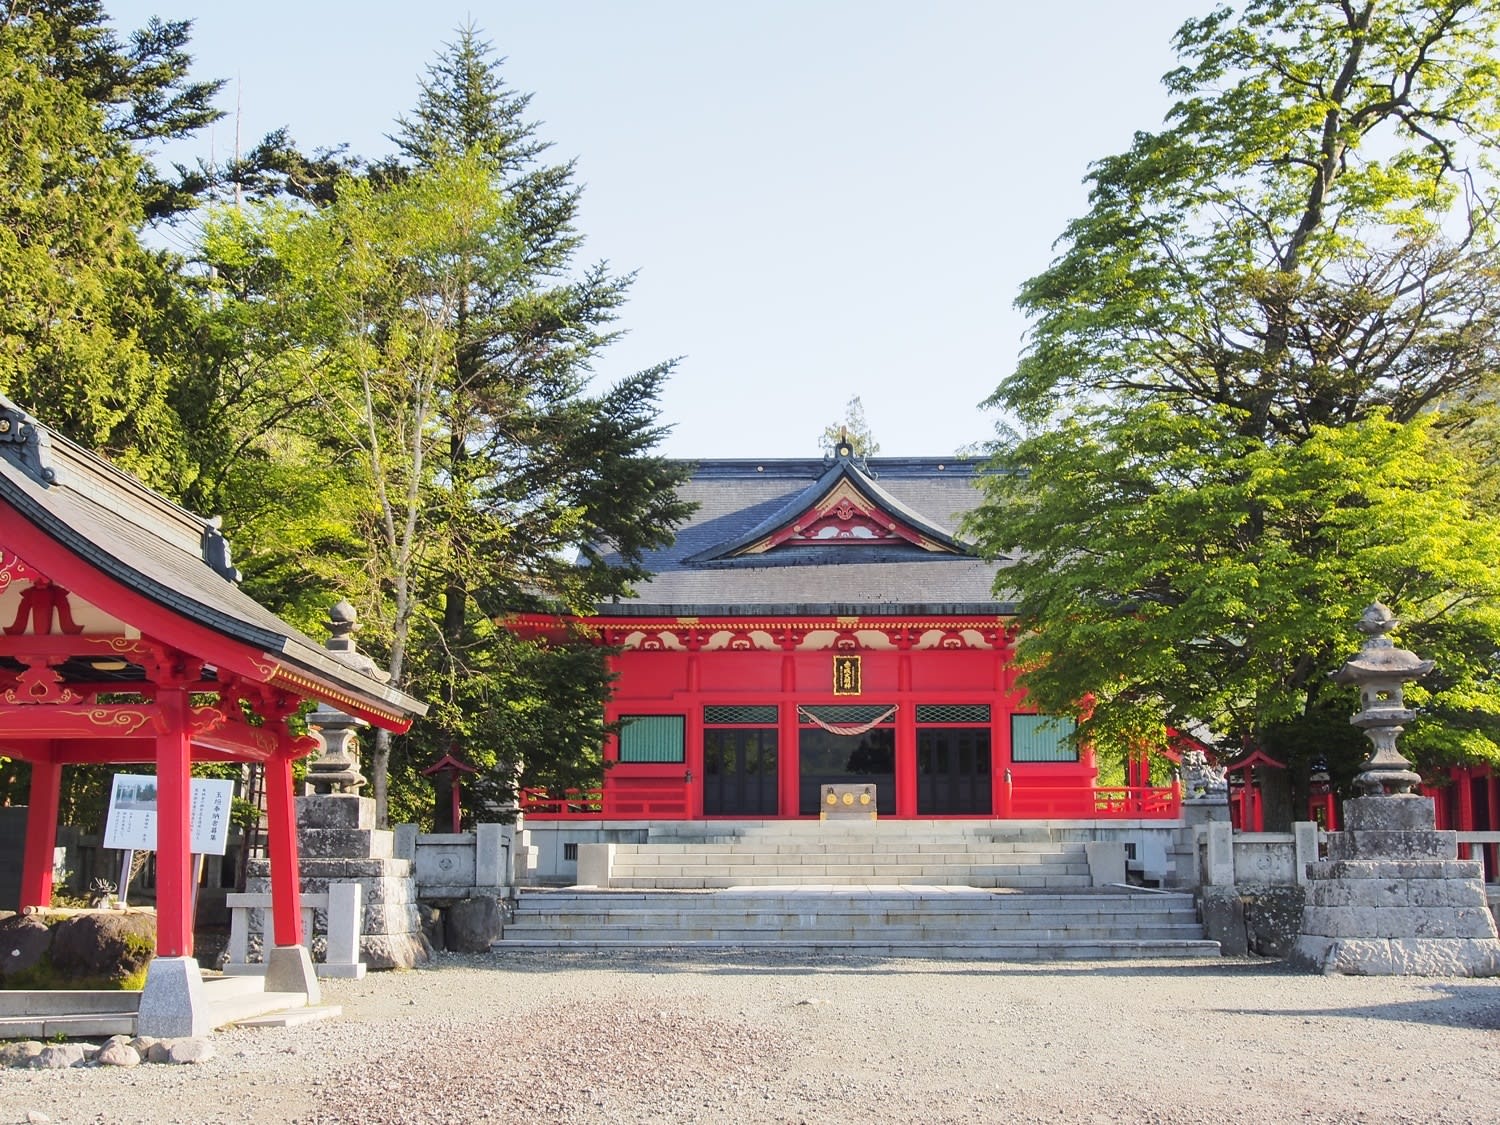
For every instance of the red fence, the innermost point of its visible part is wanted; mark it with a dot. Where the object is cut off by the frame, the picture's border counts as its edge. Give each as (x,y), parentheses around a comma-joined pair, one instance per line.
(1114,802)
(640,801)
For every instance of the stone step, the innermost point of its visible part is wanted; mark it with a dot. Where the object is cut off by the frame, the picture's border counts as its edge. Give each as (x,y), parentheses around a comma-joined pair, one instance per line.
(786,920)
(935,931)
(70,1025)
(956,862)
(854,872)
(239,1007)
(851,847)
(895,921)
(895,907)
(707,881)
(1040,950)
(67,1002)
(293,1017)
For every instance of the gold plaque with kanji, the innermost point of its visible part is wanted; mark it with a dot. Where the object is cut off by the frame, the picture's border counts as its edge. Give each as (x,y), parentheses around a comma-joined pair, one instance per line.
(846,675)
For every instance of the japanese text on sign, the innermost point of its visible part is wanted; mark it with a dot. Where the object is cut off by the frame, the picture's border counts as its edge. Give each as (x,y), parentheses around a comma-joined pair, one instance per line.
(132,815)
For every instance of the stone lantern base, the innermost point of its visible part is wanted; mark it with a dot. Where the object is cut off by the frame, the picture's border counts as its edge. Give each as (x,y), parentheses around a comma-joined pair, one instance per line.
(1393,898)
(339,843)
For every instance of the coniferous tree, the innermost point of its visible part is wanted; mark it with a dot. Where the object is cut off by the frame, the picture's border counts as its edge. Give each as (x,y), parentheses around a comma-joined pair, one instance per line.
(79,296)
(536,461)
(488,457)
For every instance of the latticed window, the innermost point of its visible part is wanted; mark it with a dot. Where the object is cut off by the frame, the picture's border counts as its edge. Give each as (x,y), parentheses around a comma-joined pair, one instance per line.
(651,738)
(743,715)
(1042,738)
(847,712)
(947,714)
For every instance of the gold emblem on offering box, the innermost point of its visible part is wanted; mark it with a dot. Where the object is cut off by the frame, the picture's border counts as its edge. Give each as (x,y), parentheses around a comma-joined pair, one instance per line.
(846,675)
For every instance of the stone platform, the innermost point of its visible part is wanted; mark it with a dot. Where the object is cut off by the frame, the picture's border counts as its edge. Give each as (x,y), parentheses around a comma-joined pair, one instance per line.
(339,843)
(1393,898)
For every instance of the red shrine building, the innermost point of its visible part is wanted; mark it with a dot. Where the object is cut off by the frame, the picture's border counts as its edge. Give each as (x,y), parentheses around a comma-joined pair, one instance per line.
(124,639)
(823,622)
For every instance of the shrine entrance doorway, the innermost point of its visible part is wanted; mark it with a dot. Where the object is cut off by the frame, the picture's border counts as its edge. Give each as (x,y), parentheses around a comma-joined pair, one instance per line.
(953,771)
(831,754)
(739,771)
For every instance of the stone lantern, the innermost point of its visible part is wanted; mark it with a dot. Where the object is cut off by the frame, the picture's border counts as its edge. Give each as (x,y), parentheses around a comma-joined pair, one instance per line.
(1380,670)
(336,769)
(1392,897)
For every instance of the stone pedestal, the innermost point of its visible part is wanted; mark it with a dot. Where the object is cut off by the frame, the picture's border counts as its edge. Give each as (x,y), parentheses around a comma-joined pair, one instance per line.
(339,843)
(172,1002)
(1393,898)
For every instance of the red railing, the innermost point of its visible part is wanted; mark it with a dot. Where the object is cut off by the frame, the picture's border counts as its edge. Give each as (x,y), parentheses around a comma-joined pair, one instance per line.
(1086,802)
(1073,802)
(574,804)
(637,801)
(1148,801)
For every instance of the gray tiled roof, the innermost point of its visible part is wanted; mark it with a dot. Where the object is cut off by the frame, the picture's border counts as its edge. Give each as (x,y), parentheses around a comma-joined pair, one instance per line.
(739,500)
(169,555)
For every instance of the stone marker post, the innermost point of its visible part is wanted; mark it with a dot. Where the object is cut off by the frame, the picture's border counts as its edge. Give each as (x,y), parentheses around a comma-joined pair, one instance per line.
(1392,897)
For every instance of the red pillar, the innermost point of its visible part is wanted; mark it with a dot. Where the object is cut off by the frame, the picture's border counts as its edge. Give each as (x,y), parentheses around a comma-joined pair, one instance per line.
(174,861)
(1466,810)
(906,740)
(692,774)
(41,834)
(286,888)
(788,750)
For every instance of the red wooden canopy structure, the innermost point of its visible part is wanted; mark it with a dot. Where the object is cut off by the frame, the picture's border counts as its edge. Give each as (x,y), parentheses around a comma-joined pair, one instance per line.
(124,639)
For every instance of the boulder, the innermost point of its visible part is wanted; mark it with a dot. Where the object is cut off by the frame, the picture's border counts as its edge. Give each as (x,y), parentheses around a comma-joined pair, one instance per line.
(104,946)
(24,941)
(394,951)
(470,926)
(19,1054)
(187,1051)
(58,1056)
(432,925)
(117,1054)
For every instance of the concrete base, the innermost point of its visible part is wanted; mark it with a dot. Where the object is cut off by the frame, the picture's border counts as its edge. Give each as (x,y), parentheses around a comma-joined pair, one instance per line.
(289,968)
(356,971)
(1393,898)
(1106,862)
(173,1005)
(1385,957)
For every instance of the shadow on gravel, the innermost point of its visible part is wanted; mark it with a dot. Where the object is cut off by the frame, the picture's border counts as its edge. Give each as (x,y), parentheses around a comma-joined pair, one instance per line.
(1469,1006)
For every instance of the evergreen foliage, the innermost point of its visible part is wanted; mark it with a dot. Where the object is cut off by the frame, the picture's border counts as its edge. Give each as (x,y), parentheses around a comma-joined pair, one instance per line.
(381,376)
(434,312)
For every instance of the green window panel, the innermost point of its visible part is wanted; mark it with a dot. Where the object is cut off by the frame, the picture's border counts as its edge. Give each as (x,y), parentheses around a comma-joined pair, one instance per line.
(1042,738)
(651,738)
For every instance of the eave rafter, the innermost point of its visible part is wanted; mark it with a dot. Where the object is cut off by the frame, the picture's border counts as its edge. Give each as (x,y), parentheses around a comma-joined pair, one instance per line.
(693,634)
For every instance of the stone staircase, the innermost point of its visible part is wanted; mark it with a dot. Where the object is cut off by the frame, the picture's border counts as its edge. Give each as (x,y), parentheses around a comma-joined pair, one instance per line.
(239,1000)
(1004,891)
(892,921)
(764,859)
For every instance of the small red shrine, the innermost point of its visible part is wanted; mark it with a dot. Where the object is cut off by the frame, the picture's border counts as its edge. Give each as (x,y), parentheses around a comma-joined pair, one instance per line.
(822,622)
(124,639)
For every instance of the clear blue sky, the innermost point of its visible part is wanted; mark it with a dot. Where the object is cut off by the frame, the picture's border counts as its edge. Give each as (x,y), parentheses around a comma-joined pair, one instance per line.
(822,199)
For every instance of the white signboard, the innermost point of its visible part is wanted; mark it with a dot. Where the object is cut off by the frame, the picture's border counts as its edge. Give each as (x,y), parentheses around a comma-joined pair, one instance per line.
(132,815)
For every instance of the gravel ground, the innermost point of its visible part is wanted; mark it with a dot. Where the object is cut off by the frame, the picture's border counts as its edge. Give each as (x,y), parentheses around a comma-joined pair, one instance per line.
(786,1039)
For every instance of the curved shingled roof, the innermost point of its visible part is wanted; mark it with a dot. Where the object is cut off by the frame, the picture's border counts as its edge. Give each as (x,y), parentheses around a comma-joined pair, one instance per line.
(712,568)
(178,560)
